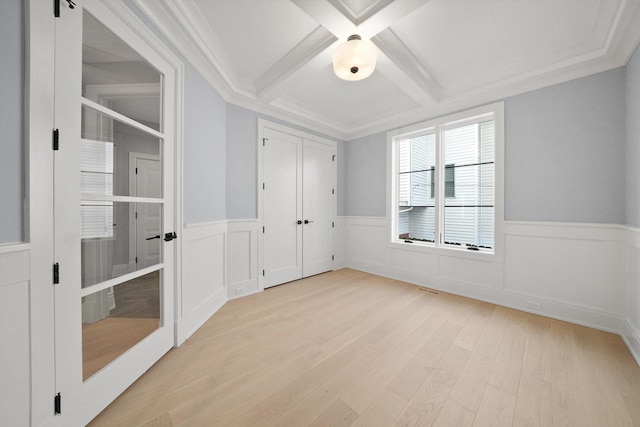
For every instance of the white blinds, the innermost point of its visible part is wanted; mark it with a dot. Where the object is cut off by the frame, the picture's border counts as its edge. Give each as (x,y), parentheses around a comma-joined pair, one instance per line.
(96,177)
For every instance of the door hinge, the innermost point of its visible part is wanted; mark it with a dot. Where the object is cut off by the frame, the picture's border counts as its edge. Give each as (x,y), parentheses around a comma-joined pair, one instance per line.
(262,273)
(136,215)
(56,7)
(333,257)
(57,404)
(262,229)
(333,158)
(56,273)
(333,191)
(136,171)
(264,140)
(333,224)
(263,185)
(56,139)
(136,260)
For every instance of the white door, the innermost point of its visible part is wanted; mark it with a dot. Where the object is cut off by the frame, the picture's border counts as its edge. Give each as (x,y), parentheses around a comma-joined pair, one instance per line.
(147,217)
(298,205)
(282,196)
(98,357)
(318,195)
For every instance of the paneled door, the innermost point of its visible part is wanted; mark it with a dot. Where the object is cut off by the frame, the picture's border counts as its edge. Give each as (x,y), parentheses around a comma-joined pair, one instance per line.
(298,204)
(113,308)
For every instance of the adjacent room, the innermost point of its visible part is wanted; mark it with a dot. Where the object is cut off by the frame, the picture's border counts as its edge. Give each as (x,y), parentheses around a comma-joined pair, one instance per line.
(320,213)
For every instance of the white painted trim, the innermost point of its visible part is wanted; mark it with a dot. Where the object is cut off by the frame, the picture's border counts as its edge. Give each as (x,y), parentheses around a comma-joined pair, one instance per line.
(631,338)
(120,117)
(186,326)
(496,292)
(496,111)
(231,298)
(19,247)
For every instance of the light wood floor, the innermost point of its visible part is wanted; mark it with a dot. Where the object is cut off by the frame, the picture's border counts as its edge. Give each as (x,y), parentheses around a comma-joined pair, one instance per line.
(351,349)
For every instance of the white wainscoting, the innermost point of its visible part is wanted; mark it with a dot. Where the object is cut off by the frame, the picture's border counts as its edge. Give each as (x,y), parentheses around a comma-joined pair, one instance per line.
(15,355)
(631,327)
(572,272)
(242,257)
(202,289)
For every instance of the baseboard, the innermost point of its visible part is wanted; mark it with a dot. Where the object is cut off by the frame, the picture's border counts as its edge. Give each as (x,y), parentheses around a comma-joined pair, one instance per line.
(186,326)
(242,289)
(631,338)
(580,315)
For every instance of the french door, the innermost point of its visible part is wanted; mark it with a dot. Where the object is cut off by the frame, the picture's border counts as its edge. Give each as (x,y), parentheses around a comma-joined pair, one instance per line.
(298,205)
(113,219)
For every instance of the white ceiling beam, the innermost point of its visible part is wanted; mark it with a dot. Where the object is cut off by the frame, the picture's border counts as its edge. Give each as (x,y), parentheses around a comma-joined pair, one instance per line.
(314,65)
(355,17)
(413,70)
(267,86)
(325,14)
(388,16)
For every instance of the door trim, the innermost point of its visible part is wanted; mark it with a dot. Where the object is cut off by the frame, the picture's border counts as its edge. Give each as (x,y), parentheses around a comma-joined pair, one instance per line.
(262,125)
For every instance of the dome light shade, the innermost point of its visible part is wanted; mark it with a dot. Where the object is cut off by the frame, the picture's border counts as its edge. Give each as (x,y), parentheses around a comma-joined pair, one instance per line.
(355,59)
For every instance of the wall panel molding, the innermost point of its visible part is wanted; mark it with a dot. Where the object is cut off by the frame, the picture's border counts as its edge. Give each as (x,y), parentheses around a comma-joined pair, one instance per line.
(568,271)
(15,354)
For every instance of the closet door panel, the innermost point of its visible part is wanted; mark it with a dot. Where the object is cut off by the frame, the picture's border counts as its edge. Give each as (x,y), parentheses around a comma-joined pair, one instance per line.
(282,235)
(318,205)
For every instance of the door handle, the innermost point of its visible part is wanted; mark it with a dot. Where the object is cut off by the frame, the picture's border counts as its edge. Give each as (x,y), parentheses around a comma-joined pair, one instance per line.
(306,221)
(154,237)
(170,236)
(299,222)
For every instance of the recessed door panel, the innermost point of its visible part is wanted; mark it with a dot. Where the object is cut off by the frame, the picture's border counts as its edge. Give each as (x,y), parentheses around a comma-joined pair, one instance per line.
(282,208)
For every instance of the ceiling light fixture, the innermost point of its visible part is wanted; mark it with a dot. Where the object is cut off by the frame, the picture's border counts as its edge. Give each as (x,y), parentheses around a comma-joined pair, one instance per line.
(355,59)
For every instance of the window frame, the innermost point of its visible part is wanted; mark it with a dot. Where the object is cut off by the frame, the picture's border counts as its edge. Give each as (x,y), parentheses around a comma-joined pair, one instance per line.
(439,125)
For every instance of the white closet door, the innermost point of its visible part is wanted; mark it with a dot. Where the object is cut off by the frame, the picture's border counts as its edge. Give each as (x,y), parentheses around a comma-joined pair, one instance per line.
(318,207)
(282,204)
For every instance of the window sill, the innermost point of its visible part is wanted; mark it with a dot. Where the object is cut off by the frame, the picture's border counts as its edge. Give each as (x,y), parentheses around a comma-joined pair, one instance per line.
(430,248)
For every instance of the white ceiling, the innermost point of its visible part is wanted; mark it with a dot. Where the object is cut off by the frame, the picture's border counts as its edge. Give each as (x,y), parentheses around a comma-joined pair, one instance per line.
(434,56)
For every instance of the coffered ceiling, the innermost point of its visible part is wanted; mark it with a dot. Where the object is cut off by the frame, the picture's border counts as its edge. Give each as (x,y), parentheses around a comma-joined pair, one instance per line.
(434,56)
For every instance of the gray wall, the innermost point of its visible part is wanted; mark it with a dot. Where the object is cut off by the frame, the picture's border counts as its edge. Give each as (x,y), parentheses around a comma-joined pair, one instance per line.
(632,155)
(204,162)
(205,142)
(242,139)
(564,150)
(366,176)
(12,181)
(564,155)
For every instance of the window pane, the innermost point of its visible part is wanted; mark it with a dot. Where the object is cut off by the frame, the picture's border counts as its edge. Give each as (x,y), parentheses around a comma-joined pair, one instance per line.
(117,318)
(416,163)
(468,226)
(113,248)
(116,76)
(468,211)
(114,153)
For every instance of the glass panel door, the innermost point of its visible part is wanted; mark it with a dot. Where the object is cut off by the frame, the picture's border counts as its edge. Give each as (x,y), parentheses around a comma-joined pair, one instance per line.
(113,205)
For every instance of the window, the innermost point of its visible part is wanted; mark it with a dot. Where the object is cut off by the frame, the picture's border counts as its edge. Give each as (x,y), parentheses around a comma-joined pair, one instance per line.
(96,177)
(444,182)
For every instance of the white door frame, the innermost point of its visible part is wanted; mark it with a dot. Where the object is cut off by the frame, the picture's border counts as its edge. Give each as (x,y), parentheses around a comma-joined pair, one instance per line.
(39,105)
(133,158)
(262,125)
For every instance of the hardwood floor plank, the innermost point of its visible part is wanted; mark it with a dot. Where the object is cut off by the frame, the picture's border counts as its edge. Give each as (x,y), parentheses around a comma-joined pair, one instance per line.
(496,409)
(426,404)
(350,348)
(382,411)
(533,404)
(337,415)
(454,415)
